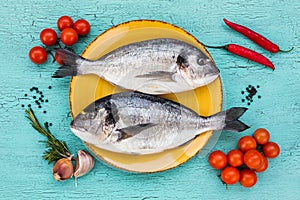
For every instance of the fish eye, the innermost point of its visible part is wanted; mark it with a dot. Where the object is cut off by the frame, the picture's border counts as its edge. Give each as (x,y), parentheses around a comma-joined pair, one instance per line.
(201,61)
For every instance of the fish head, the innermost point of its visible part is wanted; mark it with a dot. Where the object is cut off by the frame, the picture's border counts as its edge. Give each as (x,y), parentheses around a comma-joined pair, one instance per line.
(89,125)
(196,68)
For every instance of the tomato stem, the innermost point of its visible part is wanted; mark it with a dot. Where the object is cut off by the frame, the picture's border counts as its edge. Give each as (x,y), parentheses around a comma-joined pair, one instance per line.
(50,52)
(58,43)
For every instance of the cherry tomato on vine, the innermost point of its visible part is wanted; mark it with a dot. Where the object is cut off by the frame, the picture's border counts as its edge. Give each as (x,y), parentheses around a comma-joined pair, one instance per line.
(230,175)
(253,159)
(262,136)
(271,150)
(235,158)
(247,143)
(69,36)
(82,27)
(64,22)
(264,166)
(217,159)
(38,55)
(48,37)
(248,178)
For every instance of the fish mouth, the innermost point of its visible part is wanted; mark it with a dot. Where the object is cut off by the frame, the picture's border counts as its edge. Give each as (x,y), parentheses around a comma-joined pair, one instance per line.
(72,126)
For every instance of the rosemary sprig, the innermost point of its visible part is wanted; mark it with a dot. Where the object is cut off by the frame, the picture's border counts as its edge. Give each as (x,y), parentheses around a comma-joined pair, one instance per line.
(56,149)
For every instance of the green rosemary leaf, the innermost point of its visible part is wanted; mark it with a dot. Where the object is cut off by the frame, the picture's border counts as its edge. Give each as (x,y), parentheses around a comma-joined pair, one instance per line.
(56,149)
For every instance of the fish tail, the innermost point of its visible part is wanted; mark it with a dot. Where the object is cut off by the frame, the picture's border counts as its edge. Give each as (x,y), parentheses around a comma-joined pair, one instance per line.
(232,122)
(71,63)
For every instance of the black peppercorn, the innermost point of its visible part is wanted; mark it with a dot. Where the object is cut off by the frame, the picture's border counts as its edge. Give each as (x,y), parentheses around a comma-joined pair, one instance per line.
(249,92)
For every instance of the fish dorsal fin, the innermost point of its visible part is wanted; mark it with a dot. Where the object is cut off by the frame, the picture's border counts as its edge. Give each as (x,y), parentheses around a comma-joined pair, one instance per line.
(131,131)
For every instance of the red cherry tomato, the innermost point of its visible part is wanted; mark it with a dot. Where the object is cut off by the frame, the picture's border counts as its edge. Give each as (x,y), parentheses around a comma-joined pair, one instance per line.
(235,158)
(58,60)
(247,143)
(271,150)
(264,166)
(38,55)
(64,22)
(262,136)
(82,27)
(217,159)
(48,37)
(69,36)
(253,159)
(248,178)
(230,175)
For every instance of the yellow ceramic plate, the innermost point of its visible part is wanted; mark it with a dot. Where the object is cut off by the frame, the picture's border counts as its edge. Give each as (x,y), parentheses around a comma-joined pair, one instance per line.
(86,89)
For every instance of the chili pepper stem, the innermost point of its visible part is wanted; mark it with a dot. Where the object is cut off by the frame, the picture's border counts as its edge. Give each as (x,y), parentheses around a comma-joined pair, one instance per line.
(285,51)
(217,47)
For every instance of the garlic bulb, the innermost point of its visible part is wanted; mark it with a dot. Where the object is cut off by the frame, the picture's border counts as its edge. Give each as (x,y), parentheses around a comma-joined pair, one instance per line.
(84,163)
(63,169)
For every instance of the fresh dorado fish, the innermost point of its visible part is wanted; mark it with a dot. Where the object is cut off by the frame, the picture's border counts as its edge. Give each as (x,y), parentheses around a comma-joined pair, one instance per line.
(137,123)
(155,66)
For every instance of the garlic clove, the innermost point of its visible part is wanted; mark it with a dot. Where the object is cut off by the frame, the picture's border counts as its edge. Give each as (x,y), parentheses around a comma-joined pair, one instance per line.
(63,169)
(84,164)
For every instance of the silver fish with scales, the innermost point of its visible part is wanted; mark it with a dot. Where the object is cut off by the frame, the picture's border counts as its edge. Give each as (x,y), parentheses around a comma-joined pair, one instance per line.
(137,123)
(157,66)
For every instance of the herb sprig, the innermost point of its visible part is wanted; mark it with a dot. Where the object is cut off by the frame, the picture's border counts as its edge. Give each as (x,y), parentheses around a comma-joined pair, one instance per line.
(56,149)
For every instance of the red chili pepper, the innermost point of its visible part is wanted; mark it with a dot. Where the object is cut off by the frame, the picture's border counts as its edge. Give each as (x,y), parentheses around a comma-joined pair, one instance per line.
(246,53)
(255,37)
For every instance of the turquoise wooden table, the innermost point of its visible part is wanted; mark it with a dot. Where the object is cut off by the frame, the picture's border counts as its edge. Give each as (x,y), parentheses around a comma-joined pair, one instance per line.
(24,175)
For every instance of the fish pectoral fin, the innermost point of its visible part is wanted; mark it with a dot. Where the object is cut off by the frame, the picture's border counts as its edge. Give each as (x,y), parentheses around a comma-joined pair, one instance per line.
(159,75)
(131,131)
